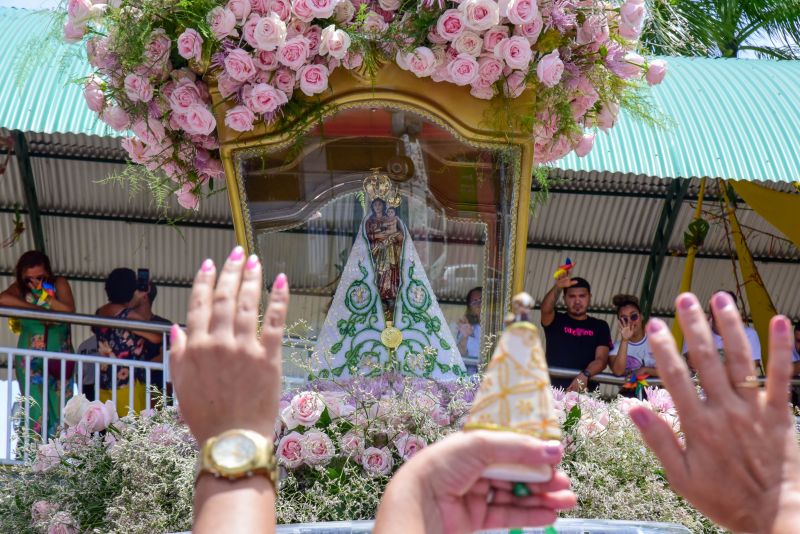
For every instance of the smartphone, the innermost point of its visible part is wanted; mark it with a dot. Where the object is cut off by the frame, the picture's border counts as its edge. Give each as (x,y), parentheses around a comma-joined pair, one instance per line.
(143,279)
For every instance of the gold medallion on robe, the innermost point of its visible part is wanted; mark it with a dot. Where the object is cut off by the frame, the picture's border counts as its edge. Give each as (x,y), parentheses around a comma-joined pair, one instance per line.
(391,337)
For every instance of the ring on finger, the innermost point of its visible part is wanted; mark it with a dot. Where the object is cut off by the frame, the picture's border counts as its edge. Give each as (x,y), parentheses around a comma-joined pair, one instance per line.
(749,382)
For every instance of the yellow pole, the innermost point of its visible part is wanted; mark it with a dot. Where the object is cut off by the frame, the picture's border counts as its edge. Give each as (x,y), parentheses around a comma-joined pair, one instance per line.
(761,307)
(688,268)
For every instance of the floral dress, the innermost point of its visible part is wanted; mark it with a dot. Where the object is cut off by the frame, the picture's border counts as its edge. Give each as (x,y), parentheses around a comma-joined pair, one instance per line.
(124,345)
(53,337)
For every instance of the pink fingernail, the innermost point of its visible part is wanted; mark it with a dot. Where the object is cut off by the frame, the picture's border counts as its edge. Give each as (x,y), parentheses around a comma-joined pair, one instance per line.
(236,254)
(685,302)
(722,300)
(553,449)
(252,262)
(280,281)
(207,265)
(781,325)
(654,326)
(640,418)
(173,333)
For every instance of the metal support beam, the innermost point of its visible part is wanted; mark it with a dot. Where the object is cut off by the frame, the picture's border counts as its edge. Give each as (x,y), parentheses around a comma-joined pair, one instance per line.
(666,223)
(29,185)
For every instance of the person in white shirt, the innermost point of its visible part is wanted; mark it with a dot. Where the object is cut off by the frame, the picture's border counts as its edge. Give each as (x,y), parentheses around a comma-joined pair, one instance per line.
(632,353)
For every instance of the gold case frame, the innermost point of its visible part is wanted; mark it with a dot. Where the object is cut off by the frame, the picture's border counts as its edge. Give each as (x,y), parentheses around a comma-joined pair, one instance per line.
(447,105)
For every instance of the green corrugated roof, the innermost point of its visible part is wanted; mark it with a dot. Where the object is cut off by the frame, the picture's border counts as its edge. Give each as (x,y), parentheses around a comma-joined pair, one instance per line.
(47,101)
(732,118)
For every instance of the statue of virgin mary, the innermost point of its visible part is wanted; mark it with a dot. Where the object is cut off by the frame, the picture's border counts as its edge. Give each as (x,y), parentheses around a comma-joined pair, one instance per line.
(384,316)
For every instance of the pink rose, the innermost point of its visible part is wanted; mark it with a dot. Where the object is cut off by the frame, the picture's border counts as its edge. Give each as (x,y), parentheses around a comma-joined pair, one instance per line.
(550,69)
(187,198)
(585,98)
(284,80)
(79,11)
(532,30)
(296,27)
(515,51)
(266,60)
(151,132)
(522,11)
(321,9)
(377,462)
(313,79)
(607,116)
(585,145)
(260,6)
(48,456)
(374,23)
(208,166)
(62,523)
(626,31)
(352,60)
(450,24)
(409,445)
(632,13)
(494,36)
(42,511)
(116,118)
(269,32)
(227,86)
(93,93)
(282,7)
(490,69)
(480,15)
(158,46)
(593,30)
(305,409)
(249,28)
(440,415)
(484,93)
(184,95)
(656,71)
(239,65)
(197,120)
(138,88)
(263,98)
(631,66)
(352,444)
(302,10)
(313,34)
(74,32)
(344,12)
(514,84)
(318,448)
(422,61)
(222,22)
(389,5)
(334,42)
(463,70)
(239,119)
(294,52)
(190,45)
(98,416)
(290,450)
(240,9)
(135,150)
(468,42)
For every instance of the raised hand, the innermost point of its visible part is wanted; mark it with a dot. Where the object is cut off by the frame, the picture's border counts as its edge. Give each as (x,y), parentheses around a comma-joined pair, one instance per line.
(740,461)
(626,330)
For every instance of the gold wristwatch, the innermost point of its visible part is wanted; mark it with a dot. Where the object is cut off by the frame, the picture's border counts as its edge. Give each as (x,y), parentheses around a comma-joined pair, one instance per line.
(237,454)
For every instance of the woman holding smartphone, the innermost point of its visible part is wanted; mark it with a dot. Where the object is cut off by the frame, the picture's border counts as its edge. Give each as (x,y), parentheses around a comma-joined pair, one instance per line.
(632,353)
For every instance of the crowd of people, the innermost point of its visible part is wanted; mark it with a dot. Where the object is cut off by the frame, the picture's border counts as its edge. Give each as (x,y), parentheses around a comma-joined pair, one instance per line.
(36,287)
(737,460)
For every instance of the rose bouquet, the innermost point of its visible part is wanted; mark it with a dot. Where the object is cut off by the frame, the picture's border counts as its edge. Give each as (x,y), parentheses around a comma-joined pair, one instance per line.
(153,61)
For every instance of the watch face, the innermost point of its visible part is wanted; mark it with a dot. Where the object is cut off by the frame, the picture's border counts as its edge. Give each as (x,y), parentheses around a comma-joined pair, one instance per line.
(233,452)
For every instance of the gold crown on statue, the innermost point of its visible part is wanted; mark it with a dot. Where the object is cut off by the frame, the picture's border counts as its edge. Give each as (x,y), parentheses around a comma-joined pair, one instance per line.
(378,185)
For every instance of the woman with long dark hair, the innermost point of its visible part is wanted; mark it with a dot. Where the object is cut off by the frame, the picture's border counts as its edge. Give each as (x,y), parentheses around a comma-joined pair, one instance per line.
(37,288)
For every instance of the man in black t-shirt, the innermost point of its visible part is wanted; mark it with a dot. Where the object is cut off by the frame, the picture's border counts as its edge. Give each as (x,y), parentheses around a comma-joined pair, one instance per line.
(574,340)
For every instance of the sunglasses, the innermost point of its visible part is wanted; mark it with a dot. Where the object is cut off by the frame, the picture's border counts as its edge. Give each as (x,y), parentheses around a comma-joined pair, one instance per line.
(632,318)
(33,279)
(475,302)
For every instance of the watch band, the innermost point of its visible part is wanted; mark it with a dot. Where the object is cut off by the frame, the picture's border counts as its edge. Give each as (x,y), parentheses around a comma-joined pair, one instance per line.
(586,373)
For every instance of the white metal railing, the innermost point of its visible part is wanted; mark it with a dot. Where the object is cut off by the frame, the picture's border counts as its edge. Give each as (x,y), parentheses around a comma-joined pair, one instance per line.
(18,425)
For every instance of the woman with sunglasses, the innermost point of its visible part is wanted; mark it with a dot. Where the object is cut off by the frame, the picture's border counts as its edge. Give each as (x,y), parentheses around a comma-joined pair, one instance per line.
(37,288)
(632,353)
